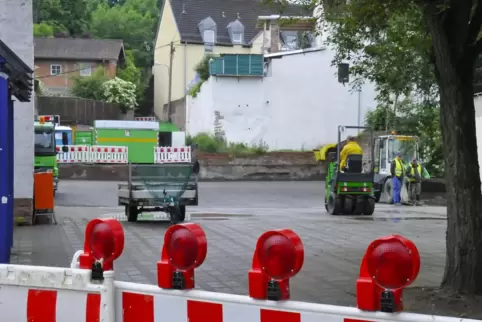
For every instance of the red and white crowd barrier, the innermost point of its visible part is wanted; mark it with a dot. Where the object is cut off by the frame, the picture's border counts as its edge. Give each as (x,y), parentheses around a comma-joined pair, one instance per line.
(37,293)
(119,154)
(88,292)
(146,118)
(109,154)
(168,154)
(75,154)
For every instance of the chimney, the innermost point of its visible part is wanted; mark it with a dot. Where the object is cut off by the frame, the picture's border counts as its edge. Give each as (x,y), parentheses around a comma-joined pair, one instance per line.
(274,37)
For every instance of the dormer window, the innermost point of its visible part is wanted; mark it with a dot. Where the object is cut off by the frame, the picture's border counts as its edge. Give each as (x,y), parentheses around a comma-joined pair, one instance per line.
(208,30)
(209,36)
(236,32)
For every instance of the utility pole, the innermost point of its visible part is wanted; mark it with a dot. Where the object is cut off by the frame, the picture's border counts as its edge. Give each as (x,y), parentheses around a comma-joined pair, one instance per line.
(171,56)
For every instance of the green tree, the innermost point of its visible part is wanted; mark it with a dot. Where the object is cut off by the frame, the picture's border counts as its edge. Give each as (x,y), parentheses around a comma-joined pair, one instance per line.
(70,15)
(445,33)
(129,72)
(134,22)
(90,87)
(43,30)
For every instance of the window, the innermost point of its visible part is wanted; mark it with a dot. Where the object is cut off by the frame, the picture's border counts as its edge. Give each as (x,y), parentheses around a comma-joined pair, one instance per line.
(55,69)
(209,36)
(85,69)
(237,38)
(44,142)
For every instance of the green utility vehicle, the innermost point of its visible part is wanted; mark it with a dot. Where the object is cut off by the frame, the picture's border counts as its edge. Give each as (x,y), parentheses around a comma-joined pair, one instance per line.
(45,148)
(350,190)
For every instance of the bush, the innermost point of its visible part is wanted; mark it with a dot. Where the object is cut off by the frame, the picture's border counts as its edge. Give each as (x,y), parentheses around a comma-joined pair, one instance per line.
(211,144)
(90,87)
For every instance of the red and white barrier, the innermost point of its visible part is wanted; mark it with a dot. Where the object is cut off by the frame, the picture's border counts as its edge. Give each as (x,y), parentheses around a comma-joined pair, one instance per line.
(36,293)
(168,154)
(29,293)
(109,154)
(145,118)
(75,154)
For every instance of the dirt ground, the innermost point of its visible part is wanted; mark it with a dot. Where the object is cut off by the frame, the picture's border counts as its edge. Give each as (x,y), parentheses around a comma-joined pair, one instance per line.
(440,302)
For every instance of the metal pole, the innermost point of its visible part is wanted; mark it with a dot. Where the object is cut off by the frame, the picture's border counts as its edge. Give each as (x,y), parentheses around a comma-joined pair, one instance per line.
(359,109)
(171,56)
(5,199)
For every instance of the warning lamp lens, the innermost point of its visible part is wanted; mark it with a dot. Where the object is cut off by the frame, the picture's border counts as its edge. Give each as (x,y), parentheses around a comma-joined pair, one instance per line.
(390,264)
(102,241)
(277,256)
(182,247)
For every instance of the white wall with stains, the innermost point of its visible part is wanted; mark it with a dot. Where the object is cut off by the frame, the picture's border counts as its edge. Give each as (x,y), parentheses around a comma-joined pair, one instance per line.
(16,31)
(297,106)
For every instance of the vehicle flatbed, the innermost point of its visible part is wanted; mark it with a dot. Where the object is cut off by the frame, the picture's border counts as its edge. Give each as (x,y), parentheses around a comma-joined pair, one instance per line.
(166,188)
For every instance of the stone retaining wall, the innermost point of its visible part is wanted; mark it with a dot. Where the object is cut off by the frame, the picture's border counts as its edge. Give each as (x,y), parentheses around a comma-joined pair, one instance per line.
(219,167)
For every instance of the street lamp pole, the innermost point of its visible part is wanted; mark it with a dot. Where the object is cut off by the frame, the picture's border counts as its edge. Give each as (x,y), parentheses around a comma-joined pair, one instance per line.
(169,93)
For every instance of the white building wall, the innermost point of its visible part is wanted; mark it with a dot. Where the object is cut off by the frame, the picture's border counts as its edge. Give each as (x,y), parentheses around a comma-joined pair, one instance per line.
(297,106)
(16,31)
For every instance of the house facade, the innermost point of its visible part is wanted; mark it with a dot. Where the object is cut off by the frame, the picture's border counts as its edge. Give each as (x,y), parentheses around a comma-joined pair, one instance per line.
(297,102)
(58,60)
(196,28)
(16,31)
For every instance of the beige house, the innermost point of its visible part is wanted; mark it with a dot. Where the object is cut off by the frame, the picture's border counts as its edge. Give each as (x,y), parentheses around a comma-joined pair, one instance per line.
(196,28)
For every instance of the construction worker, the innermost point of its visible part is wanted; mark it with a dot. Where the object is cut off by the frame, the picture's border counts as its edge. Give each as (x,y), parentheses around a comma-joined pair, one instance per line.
(351,147)
(398,171)
(415,173)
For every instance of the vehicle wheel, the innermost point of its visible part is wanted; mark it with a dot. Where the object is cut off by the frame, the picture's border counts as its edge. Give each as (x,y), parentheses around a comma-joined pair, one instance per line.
(348,204)
(131,213)
(177,215)
(182,214)
(377,194)
(387,196)
(359,205)
(334,204)
(369,207)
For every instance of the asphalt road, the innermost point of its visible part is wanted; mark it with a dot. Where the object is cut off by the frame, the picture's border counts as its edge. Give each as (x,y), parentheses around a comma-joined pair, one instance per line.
(234,214)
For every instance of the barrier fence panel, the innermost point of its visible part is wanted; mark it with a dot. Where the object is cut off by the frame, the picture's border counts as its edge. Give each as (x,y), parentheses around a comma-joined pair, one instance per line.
(145,118)
(109,154)
(76,154)
(89,293)
(37,293)
(167,154)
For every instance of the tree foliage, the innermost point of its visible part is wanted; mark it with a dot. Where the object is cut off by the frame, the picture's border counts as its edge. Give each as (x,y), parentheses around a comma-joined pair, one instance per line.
(129,72)
(120,92)
(90,87)
(134,22)
(202,69)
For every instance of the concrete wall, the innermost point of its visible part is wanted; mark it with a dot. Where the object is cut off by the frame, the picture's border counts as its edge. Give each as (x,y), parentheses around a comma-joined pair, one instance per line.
(16,30)
(297,106)
(219,167)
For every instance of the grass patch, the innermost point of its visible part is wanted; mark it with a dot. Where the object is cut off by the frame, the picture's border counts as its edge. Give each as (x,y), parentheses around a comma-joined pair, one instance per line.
(211,144)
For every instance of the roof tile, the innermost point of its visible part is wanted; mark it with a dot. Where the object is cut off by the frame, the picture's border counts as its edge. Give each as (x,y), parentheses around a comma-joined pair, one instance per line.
(78,48)
(189,13)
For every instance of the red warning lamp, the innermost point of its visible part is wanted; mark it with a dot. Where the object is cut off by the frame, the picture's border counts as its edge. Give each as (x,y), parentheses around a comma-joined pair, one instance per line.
(279,255)
(390,264)
(104,243)
(184,249)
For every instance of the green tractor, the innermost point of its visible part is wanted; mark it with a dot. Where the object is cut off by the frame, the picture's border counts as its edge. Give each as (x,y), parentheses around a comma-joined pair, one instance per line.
(350,190)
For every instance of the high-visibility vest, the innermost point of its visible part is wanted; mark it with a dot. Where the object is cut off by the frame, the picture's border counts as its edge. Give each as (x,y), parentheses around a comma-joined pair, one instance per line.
(398,167)
(412,172)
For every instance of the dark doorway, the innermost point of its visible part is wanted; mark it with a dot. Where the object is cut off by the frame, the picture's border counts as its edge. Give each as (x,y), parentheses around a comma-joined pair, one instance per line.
(165,138)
